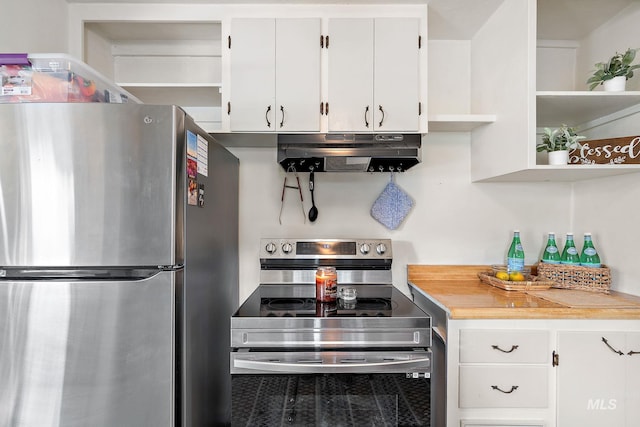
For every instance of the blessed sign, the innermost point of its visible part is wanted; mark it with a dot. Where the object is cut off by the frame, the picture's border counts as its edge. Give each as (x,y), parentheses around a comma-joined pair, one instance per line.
(623,150)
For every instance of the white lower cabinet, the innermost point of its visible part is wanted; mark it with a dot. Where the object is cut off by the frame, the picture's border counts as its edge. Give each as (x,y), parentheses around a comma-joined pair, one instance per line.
(565,371)
(502,373)
(598,379)
(551,373)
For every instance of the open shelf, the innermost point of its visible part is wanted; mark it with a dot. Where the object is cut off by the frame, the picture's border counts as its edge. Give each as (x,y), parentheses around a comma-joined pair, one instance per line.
(578,107)
(566,173)
(458,122)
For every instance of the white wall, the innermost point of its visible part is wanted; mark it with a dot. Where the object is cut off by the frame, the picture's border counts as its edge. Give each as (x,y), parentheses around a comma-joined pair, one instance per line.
(453,221)
(620,33)
(33,26)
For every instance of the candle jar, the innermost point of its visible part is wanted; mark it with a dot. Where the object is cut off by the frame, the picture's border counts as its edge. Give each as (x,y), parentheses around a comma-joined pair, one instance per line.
(326,284)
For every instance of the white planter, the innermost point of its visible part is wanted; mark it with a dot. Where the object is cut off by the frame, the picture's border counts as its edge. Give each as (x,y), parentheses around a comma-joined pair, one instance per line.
(616,84)
(559,157)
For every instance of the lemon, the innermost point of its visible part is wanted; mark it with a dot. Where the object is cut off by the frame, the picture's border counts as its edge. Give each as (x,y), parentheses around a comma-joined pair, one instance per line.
(502,275)
(516,276)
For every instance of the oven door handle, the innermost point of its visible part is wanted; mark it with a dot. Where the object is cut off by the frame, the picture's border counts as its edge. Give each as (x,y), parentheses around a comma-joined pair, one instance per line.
(420,364)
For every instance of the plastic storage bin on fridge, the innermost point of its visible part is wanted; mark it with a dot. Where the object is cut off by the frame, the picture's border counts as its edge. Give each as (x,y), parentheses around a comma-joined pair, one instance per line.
(55,78)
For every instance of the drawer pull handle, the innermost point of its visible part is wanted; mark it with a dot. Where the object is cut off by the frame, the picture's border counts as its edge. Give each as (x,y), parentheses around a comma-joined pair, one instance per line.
(266,116)
(513,348)
(282,111)
(513,388)
(604,340)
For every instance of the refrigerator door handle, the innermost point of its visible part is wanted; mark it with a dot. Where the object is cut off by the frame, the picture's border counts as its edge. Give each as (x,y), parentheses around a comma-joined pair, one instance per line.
(177,267)
(88,273)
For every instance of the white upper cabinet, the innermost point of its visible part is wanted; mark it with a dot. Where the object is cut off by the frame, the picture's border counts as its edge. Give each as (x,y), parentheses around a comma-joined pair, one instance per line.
(373,75)
(253,75)
(350,75)
(275,75)
(262,68)
(396,79)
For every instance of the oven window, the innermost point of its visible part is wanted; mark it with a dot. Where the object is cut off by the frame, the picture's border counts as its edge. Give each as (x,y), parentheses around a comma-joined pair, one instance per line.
(330,400)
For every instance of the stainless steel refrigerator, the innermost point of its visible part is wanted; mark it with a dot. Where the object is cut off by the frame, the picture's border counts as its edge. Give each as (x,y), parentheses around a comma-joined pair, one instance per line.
(118,267)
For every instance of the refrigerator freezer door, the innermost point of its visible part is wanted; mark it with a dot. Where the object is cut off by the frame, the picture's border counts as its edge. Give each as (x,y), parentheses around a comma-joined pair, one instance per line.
(89,184)
(76,353)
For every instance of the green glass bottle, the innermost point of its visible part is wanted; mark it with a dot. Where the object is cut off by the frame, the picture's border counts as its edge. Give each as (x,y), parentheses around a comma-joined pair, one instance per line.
(551,253)
(589,256)
(570,253)
(515,255)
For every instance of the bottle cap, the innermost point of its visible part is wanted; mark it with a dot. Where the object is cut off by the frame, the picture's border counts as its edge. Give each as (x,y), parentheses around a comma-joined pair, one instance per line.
(587,234)
(569,233)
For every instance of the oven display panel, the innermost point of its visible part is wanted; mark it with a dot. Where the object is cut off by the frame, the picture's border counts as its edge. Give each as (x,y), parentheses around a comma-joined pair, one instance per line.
(326,248)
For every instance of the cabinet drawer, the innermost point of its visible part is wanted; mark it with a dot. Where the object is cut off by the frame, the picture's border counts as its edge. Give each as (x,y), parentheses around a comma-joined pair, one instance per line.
(504,346)
(503,386)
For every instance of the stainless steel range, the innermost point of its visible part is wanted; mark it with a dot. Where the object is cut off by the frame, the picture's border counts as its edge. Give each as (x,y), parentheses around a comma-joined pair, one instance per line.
(362,360)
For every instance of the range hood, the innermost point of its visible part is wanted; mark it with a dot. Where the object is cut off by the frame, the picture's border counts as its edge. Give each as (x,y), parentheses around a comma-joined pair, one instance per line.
(348,152)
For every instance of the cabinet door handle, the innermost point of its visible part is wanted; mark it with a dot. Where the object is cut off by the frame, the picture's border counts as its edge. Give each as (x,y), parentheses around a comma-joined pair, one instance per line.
(513,388)
(282,112)
(366,111)
(513,348)
(382,119)
(266,116)
(604,340)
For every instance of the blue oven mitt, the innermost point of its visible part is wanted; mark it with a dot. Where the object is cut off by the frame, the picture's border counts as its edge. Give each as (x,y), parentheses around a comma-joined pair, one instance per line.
(392,206)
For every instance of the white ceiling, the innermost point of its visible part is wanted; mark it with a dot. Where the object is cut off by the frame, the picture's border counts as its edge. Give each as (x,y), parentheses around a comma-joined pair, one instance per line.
(460,19)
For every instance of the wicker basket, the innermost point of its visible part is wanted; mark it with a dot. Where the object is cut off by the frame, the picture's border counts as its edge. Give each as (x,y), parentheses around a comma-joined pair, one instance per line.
(576,277)
(531,283)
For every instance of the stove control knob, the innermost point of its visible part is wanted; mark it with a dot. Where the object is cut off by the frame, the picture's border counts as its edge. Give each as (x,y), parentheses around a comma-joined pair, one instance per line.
(381,249)
(287,248)
(270,248)
(365,248)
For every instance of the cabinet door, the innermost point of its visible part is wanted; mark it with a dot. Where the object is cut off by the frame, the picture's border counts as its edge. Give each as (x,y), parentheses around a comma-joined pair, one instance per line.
(632,352)
(298,75)
(252,94)
(591,379)
(350,68)
(396,87)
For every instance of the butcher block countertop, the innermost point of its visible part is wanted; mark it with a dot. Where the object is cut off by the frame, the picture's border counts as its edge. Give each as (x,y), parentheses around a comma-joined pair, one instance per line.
(459,291)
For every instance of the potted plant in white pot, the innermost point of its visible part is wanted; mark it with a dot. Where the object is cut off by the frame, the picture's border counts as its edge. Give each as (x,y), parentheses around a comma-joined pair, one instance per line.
(557,142)
(613,75)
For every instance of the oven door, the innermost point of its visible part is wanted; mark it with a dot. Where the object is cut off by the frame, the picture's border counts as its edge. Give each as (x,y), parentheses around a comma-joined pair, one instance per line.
(331,388)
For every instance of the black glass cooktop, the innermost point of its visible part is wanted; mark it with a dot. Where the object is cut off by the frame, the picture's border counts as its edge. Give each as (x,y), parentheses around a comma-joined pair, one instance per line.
(308,307)
(295,301)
